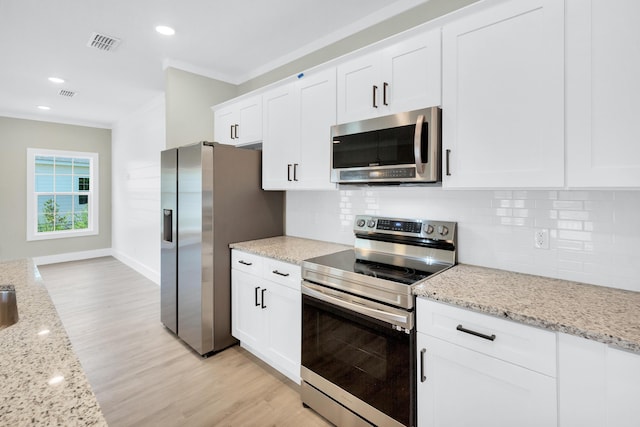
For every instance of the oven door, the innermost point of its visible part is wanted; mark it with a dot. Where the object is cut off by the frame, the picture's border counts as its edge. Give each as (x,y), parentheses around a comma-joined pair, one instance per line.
(360,354)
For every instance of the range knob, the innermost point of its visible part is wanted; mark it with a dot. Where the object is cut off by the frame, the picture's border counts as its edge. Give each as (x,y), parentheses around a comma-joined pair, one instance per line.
(443,230)
(429,229)
(360,223)
(371,223)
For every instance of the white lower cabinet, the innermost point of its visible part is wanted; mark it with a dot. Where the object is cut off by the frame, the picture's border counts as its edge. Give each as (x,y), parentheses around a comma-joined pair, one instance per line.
(598,386)
(470,380)
(266,310)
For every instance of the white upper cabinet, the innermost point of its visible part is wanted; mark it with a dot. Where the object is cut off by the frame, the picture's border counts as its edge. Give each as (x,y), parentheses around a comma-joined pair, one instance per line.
(603,89)
(401,77)
(503,96)
(239,123)
(297,122)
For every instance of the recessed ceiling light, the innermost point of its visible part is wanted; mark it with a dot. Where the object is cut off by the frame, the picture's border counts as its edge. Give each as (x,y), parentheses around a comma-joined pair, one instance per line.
(44,107)
(56,80)
(167,31)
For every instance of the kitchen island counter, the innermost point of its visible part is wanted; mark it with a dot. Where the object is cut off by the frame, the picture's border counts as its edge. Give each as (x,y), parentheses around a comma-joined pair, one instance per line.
(289,249)
(42,381)
(607,315)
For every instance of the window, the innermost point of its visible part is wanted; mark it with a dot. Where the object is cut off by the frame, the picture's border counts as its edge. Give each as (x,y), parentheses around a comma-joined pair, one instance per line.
(62,194)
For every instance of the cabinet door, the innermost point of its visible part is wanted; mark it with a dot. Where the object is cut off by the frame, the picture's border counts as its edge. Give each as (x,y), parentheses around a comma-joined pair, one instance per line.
(317,107)
(247,324)
(597,385)
(464,388)
(411,73)
(283,307)
(279,145)
(223,126)
(359,88)
(623,388)
(503,96)
(603,65)
(250,121)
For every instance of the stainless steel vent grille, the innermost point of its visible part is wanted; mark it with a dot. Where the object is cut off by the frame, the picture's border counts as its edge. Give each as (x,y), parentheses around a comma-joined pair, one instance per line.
(67,93)
(103,42)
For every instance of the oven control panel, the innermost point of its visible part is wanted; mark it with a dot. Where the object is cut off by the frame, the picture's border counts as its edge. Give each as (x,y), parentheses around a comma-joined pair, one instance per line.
(434,230)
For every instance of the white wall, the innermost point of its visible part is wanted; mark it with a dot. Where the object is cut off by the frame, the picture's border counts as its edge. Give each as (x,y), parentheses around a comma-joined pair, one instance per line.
(136,145)
(594,235)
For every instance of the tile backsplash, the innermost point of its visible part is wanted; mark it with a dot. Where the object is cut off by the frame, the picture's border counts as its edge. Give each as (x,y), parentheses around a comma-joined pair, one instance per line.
(594,235)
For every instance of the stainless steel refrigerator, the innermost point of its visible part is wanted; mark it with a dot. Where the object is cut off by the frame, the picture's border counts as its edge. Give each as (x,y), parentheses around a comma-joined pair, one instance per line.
(211,197)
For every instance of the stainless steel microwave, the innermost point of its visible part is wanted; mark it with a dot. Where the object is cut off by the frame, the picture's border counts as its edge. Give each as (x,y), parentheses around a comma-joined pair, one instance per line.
(400,148)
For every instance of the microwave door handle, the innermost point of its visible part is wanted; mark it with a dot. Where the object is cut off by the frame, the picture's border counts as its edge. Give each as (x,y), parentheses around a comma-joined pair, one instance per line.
(417,144)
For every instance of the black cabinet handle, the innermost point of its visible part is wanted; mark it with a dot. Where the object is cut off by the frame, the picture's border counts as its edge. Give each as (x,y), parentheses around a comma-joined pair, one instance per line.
(235,127)
(423,378)
(385,85)
(295,171)
(279,273)
(262,299)
(255,295)
(289,172)
(375,103)
(477,334)
(447,162)
(245,262)
(231,131)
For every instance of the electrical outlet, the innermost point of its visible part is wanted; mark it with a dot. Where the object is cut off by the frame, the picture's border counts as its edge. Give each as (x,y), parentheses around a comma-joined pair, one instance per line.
(541,238)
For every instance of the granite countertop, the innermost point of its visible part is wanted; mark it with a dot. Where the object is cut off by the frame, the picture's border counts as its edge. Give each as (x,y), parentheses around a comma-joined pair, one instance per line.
(288,248)
(41,380)
(607,315)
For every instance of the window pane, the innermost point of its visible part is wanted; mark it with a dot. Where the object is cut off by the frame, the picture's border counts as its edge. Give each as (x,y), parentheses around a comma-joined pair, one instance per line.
(81,166)
(44,164)
(81,212)
(63,183)
(63,165)
(46,213)
(81,183)
(64,212)
(44,183)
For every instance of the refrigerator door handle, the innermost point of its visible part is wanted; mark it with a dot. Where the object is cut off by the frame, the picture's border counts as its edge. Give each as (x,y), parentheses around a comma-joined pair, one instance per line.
(167,225)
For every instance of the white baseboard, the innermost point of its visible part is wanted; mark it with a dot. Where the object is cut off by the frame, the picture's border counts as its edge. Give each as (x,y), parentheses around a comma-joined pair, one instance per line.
(147,272)
(72,256)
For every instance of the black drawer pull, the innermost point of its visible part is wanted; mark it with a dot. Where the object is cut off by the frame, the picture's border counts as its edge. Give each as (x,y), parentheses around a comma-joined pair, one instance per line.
(245,262)
(477,334)
(262,305)
(280,274)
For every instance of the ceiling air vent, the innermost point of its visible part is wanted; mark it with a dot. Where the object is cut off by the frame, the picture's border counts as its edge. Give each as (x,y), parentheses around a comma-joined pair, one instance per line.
(103,42)
(66,93)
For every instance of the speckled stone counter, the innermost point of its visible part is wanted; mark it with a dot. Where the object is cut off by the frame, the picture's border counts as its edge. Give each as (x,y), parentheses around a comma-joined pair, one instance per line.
(41,380)
(607,315)
(289,249)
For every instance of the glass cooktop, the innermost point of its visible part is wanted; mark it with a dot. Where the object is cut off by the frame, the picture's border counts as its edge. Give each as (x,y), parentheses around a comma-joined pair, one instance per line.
(347,261)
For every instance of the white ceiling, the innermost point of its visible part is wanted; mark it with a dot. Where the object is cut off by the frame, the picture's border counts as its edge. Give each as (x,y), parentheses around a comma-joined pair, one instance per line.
(231,40)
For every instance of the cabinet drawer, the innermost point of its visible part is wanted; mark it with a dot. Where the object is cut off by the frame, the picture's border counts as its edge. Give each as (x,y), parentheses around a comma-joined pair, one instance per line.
(244,261)
(282,272)
(513,342)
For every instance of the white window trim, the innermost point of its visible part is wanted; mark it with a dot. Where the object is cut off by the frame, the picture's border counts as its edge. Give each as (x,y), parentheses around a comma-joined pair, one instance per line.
(32,203)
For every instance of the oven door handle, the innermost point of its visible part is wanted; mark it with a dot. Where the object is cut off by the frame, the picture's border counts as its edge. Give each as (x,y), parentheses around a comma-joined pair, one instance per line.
(400,320)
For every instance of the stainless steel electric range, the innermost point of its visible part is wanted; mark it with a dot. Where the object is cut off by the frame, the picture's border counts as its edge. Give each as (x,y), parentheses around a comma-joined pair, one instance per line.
(358,320)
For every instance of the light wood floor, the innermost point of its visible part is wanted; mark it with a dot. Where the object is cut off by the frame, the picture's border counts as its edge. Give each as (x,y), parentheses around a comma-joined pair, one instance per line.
(143,376)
